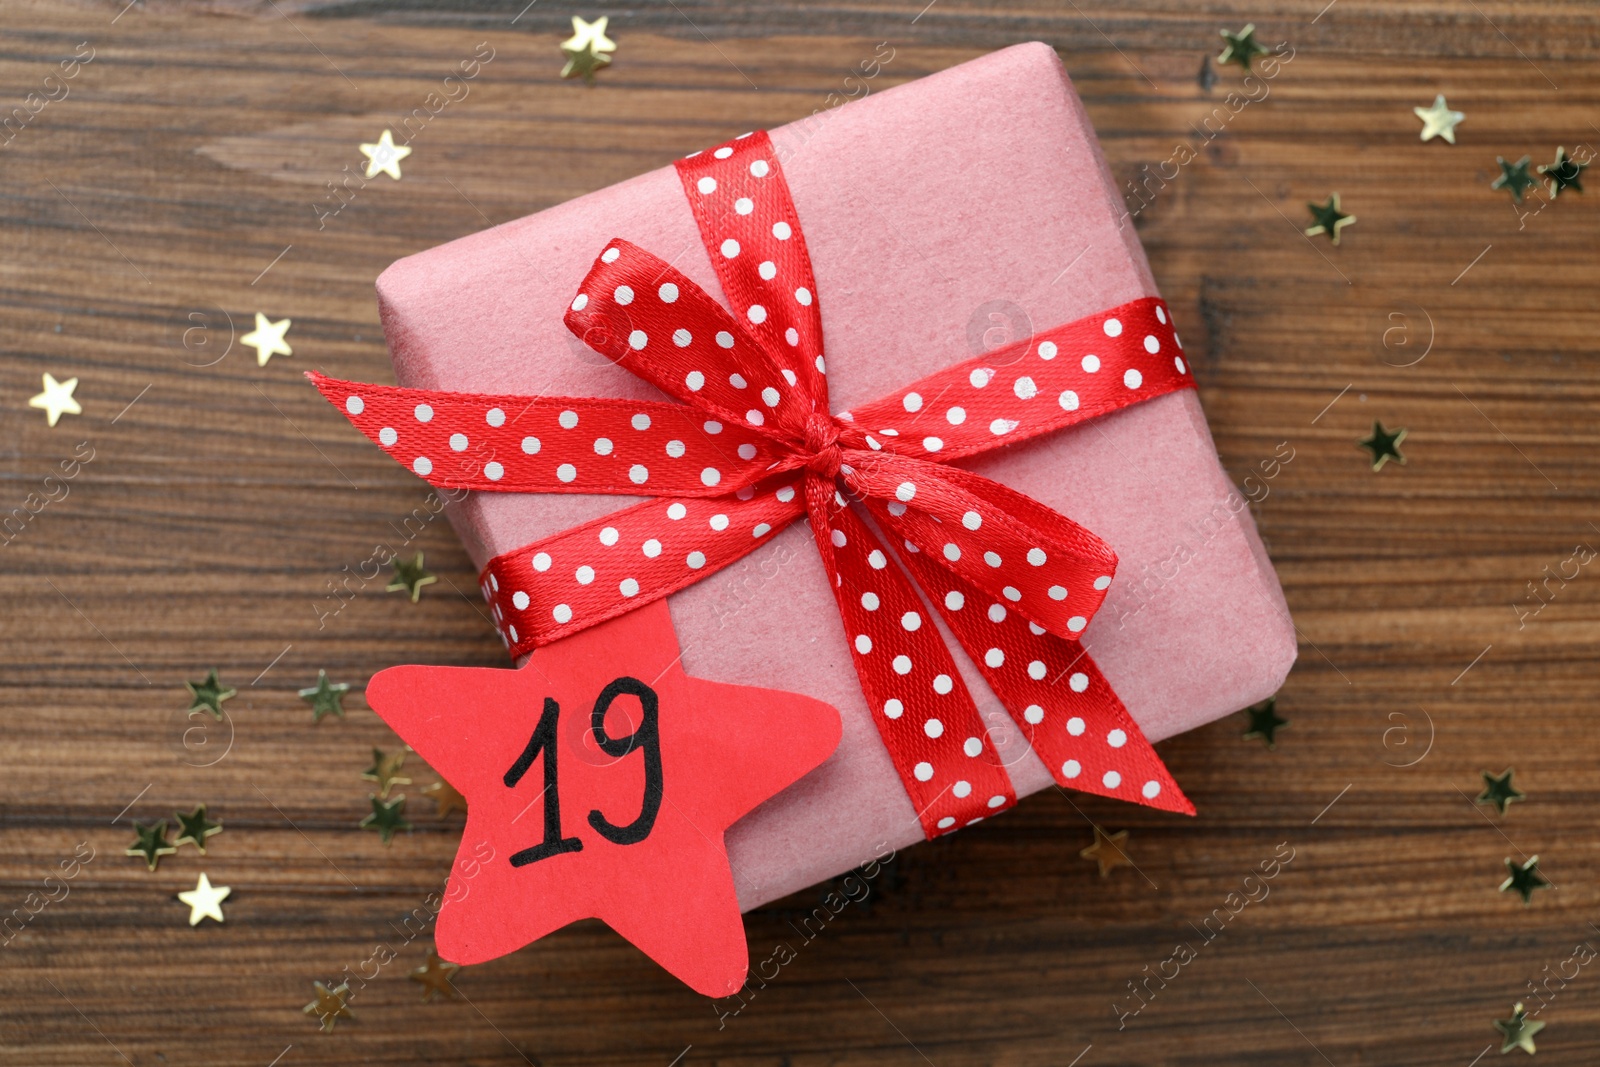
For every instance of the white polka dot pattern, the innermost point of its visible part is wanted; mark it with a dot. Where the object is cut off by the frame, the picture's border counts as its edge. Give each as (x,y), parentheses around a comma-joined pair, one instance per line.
(905,668)
(692,348)
(752,446)
(1069,713)
(529,444)
(1022,392)
(751,208)
(1013,549)
(628,558)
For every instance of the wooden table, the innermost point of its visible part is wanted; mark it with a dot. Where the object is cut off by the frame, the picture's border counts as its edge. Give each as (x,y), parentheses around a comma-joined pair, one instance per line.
(181,184)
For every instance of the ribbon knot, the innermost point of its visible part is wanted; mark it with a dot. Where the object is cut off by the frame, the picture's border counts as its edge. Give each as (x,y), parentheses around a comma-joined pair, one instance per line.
(821,443)
(750,446)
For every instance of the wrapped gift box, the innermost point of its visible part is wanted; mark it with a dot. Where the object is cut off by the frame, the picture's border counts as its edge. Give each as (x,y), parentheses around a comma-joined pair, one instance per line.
(952,213)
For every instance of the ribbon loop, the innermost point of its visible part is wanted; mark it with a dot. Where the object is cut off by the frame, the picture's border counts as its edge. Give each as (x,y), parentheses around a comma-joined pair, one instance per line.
(655,322)
(1054,573)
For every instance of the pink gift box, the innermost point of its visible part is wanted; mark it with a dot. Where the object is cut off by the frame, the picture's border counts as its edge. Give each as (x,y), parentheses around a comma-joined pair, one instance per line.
(967,207)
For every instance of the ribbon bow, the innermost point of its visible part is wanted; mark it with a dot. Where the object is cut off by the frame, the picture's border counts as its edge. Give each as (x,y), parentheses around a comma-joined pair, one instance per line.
(752,445)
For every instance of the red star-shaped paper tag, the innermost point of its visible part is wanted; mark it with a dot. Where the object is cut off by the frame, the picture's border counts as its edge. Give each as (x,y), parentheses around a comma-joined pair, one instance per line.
(600,779)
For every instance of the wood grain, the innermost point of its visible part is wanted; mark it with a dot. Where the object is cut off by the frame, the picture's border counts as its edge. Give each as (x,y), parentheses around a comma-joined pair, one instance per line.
(176,186)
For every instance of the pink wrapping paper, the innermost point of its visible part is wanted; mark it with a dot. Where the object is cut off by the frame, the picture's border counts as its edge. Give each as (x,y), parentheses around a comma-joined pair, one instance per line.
(921,204)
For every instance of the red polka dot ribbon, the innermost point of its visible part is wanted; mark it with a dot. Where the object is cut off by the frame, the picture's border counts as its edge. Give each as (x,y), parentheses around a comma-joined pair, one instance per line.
(750,446)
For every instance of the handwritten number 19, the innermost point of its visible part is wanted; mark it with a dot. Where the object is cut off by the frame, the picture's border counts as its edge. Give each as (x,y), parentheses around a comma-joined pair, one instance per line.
(646,738)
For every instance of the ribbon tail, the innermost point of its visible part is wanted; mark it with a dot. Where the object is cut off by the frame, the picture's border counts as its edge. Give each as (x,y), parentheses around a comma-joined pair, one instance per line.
(1073,719)
(934,734)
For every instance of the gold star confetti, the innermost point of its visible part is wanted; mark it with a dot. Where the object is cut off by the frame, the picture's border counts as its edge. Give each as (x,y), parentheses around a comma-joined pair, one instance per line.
(1241,47)
(385,770)
(56,400)
(1514,176)
(1328,219)
(584,63)
(589,36)
(1384,446)
(410,577)
(435,975)
(330,1005)
(1564,173)
(1438,120)
(1108,851)
(1518,1030)
(151,843)
(194,828)
(1499,791)
(205,900)
(385,156)
(1264,722)
(386,818)
(445,798)
(209,695)
(1524,879)
(325,698)
(267,338)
